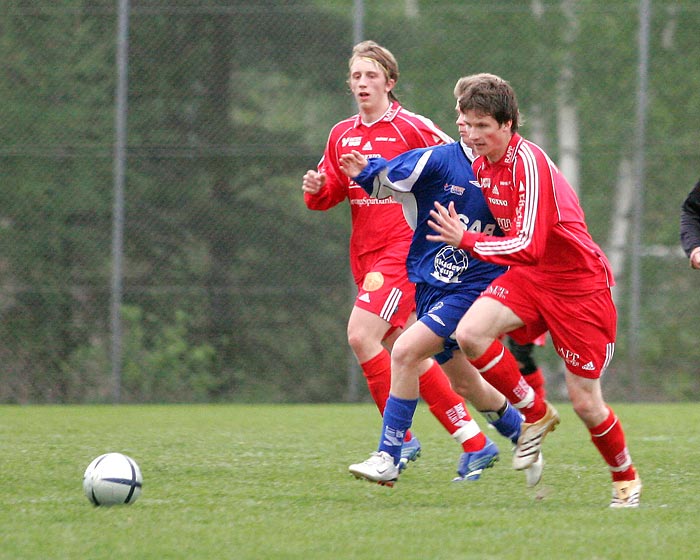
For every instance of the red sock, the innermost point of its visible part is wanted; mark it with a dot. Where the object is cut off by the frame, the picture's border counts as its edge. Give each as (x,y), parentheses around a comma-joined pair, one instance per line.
(536,381)
(450,409)
(498,366)
(377,371)
(609,438)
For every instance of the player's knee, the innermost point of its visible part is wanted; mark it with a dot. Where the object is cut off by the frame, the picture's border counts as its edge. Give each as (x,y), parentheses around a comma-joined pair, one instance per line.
(588,405)
(359,336)
(355,339)
(403,355)
(466,338)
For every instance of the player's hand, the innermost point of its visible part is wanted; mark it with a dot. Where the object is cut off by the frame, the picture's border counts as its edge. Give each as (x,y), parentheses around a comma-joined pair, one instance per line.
(447,225)
(352,164)
(695,258)
(313,181)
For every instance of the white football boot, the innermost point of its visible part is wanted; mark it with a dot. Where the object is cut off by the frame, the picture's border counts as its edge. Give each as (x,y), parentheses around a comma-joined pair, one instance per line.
(379,468)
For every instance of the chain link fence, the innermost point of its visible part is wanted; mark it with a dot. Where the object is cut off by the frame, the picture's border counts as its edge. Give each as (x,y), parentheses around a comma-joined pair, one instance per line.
(227,287)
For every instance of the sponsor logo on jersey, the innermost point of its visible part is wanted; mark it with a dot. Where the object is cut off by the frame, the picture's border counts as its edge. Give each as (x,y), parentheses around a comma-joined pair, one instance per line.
(570,357)
(453,189)
(449,264)
(431,312)
(476,226)
(476,184)
(351,142)
(510,154)
(436,319)
(497,201)
(497,291)
(504,224)
(391,113)
(367,146)
(372,201)
(385,139)
(373,281)
(495,190)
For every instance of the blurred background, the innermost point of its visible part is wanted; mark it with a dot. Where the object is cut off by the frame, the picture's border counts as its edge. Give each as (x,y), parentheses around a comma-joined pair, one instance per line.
(155,246)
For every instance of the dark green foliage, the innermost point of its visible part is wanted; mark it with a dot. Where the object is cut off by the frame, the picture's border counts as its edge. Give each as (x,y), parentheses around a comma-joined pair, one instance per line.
(230,276)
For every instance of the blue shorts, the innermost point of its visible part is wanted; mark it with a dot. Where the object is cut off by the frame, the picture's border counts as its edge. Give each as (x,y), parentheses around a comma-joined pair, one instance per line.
(440,311)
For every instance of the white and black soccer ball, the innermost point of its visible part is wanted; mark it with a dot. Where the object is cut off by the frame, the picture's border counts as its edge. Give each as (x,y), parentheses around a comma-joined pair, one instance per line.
(111,479)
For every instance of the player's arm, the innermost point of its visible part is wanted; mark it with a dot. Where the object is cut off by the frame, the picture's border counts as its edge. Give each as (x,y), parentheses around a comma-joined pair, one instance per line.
(525,242)
(381,178)
(535,215)
(325,197)
(312,182)
(326,186)
(366,173)
(690,226)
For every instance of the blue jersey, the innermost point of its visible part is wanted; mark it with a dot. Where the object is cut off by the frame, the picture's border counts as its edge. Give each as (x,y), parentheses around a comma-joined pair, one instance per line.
(418,178)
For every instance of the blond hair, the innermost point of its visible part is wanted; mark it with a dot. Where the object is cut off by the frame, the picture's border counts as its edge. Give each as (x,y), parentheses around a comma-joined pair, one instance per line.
(382,57)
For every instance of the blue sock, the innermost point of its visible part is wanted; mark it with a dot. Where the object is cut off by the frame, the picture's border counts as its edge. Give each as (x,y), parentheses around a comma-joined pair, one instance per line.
(508,424)
(398,416)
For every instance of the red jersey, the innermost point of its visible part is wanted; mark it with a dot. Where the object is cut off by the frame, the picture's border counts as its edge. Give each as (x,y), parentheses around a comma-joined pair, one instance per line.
(542,220)
(377,224)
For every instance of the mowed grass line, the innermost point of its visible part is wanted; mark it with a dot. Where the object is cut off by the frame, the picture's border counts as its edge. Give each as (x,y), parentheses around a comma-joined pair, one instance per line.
(271,481)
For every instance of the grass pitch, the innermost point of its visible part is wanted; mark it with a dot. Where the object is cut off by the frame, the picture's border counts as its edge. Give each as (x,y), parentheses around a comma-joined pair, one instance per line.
(271,481)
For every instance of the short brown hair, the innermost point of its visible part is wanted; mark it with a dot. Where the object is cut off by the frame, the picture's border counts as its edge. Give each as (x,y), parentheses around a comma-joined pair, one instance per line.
(487,94)
(381,56)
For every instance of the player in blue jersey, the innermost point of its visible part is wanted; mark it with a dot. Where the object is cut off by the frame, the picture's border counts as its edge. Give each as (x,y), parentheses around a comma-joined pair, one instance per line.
(448,280)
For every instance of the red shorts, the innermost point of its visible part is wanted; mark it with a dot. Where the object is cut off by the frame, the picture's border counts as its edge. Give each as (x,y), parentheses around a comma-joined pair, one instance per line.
(582,327)
(386,291)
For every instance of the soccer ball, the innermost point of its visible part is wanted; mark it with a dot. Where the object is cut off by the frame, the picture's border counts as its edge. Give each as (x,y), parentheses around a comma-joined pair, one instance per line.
(112,478)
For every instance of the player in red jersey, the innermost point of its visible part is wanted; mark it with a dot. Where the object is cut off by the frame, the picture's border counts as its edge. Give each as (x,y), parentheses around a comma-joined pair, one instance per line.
(559,278)
(379,244)
(523,353)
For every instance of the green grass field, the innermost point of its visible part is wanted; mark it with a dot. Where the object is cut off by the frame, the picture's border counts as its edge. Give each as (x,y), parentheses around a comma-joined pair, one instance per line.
(264,482)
